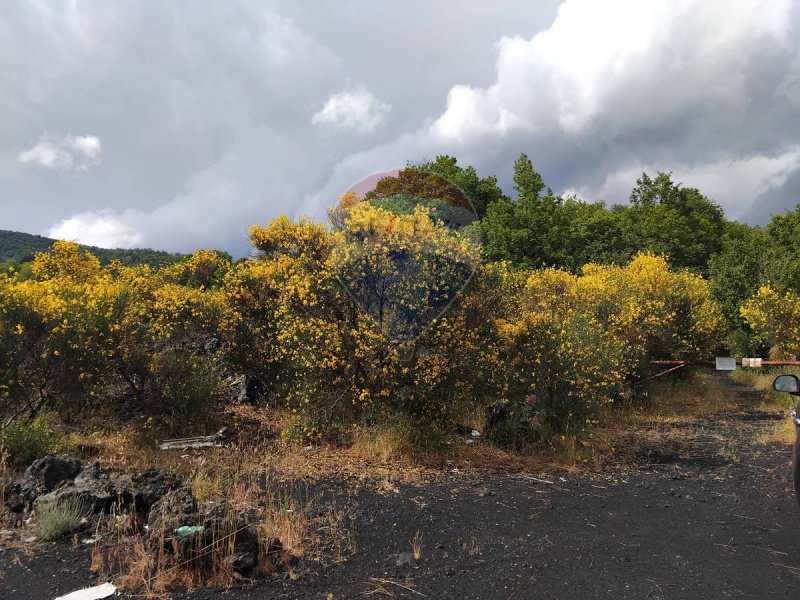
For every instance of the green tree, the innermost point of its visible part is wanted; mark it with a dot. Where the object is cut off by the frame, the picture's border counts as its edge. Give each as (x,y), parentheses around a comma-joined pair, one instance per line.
(666,218)
(735,274)
(531,231)
(783,238)
(528,184)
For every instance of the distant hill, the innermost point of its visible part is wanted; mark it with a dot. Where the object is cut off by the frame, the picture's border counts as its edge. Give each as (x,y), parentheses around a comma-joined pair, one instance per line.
(20,247)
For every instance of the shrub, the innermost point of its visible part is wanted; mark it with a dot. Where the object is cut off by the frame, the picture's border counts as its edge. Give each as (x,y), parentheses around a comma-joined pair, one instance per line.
(559,353)
(27,441)
(183,386)
(775,318)
(81,332)
(421,331)
(57,519)
(512,423)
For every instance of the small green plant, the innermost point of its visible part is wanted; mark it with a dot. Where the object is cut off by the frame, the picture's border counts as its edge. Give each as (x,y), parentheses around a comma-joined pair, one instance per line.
(26,441)
(57,519)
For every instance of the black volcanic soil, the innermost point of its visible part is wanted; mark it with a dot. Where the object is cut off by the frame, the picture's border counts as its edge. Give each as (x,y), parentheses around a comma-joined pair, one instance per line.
(703,512)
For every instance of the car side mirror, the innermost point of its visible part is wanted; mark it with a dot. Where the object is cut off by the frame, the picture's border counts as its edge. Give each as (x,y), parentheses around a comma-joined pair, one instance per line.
(787,383)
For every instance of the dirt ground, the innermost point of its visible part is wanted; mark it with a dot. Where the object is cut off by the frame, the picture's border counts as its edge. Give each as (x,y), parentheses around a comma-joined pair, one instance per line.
(696,511)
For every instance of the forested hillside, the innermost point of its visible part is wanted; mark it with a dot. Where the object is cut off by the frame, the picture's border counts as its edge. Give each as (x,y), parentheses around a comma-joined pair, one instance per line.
(18,247)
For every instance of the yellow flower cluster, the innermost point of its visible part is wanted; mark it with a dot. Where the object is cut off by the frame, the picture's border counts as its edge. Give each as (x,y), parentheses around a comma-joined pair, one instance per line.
(775,318)
(78,331)
(577,339)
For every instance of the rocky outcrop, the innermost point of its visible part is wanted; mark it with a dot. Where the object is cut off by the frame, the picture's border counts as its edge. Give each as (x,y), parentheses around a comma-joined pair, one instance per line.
(54,479)
(246,389)
(43,476)
(142,490)
(94,490)
(198,532)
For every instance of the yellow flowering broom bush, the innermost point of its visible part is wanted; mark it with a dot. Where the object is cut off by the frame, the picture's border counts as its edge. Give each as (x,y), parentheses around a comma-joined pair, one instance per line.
(381,314)
(775,318)
(318,314)
(659,313)
(577,339)
(79,334)
(561,359)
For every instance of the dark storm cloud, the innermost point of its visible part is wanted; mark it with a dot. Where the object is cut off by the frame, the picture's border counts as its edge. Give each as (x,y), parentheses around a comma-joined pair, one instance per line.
(707,90)
(212,116)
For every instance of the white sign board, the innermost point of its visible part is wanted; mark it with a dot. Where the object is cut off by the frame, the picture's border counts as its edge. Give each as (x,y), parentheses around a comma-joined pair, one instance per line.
(725,363)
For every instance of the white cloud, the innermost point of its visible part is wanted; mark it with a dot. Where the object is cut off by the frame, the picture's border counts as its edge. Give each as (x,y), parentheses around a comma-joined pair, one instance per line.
(47,155)
(615,88)
(619,64)
(357,110)
(88,145)
(69,153)
(101,228)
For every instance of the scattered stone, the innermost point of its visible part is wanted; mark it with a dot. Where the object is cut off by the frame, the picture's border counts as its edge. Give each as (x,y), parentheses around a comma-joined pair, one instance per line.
(174,510)
(101,491)
(247,389)
(55,479)
(177,523)
(93,489)
(143,490)
(243,562)
(404,559)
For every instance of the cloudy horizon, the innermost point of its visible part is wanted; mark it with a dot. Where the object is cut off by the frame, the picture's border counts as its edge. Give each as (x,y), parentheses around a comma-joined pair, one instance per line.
(178,125)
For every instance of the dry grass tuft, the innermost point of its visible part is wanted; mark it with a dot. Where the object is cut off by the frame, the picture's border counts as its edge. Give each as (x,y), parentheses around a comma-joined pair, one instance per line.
(416,546)
(288,522)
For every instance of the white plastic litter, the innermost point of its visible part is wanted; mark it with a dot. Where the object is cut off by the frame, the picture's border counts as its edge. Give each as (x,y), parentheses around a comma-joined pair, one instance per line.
(204,441)
(97,592)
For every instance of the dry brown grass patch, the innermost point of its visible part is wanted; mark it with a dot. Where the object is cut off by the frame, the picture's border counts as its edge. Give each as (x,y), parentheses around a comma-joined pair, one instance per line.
(306,527)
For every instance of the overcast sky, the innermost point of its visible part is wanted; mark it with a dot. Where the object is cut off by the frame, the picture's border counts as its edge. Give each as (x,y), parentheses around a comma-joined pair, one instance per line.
(176,125)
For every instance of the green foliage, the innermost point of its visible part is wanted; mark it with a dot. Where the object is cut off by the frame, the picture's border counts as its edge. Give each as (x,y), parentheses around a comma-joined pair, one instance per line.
(25,441)
(512,423)
(528,184)
(203,269)
(678,222)
(574,301)
(542,230)
(183,386)
(735,274)
(18,270)
(406,204)
(57,519)
(783,237)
